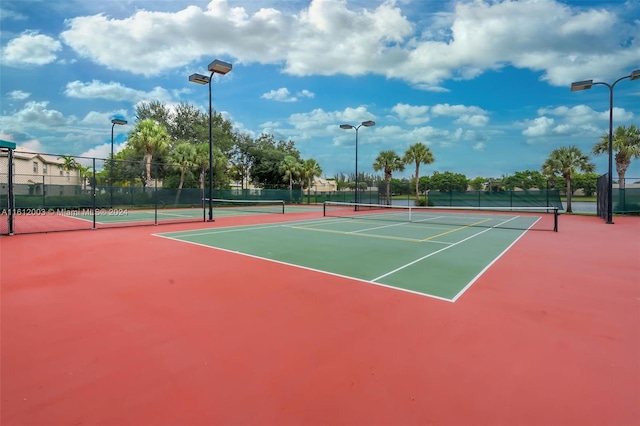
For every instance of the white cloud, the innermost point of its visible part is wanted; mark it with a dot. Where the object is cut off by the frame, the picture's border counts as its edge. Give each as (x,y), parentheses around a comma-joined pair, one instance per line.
(577,120)
(100,118)
(114,92)
(30,48)
(411,114)
(541,126)
(479,146)
(473,120)
(327,37)
(281,95)
(36,114)
(18,95)
(306,94)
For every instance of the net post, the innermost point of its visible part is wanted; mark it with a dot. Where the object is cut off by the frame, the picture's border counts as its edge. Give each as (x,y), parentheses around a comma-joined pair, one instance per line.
(283,203)
(324,209)
(555,220)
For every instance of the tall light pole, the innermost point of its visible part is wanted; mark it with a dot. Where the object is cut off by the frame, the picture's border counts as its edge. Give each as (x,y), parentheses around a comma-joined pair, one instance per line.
(585,85)
(368,123)
(113,123)
(215,67)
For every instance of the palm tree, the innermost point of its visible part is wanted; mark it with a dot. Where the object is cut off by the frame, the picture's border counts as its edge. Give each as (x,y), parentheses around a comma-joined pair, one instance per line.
(69,162)
(626,144)
(149,137)
(310,169)
(566,162)
(85,173)
(418,153)
(182,158)
(390,162)
(290,168)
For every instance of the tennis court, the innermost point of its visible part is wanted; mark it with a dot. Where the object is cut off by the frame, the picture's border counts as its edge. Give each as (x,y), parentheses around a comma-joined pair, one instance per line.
(272,319)
(433,252)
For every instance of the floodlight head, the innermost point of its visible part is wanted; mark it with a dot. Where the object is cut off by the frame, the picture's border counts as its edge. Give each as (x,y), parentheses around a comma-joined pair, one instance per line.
(119,121)
(581,85)
(199,78)
(368,123)
(346,126)
(220,67)
(635,75)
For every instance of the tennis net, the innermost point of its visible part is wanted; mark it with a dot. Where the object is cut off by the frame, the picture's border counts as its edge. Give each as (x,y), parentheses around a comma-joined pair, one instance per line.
(247,206)
(526,218)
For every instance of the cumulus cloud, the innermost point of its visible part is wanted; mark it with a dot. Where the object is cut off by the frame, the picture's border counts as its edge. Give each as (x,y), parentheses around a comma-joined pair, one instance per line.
(29,49)
(114,92)
(18,95)
(567,121)
(411,114)
(283,95)
(36,114)
(556,39)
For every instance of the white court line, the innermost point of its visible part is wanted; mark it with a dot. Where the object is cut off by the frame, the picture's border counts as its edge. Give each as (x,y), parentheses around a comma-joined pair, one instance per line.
(209,231)
(431,296)
(449,245)
(439,251)
(465,288)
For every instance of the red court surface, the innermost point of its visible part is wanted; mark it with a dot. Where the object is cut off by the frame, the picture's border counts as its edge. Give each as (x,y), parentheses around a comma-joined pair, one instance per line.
(118,327)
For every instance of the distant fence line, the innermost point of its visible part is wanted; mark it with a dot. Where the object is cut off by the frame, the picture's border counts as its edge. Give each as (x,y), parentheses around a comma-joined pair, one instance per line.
(34,184)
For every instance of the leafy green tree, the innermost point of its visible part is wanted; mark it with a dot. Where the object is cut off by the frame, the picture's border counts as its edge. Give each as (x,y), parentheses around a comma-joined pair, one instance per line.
(291,169)
(566,161)
(526,179)
(626,145)
(148,137)
(389,162)
(418,153)
(448,181)
(310,169)
(588,182)
(266,158)
(478,183)
(182,158)
(240,158)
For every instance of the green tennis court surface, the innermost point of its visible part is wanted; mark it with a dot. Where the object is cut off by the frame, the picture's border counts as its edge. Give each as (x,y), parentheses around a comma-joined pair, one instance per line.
(431,259)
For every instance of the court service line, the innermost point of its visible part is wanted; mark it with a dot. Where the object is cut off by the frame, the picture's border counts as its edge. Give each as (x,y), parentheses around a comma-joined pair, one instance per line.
(460,228)
(438,251)
(331,231)
(431,296)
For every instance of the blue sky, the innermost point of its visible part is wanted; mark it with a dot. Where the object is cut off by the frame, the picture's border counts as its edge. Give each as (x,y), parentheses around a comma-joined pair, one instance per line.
(484,84)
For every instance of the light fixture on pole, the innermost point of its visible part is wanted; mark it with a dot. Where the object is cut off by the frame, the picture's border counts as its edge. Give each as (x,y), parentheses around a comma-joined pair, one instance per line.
(113,123)
(585,85)
(368,123)
(215,67)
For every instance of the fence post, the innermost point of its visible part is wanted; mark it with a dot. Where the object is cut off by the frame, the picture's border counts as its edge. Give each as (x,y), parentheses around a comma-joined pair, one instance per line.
(155,195)
(11,203)
(93,191)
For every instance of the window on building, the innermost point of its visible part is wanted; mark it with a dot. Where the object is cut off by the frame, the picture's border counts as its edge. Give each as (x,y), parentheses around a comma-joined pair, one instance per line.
(68,175)
(35,167)
(44,169)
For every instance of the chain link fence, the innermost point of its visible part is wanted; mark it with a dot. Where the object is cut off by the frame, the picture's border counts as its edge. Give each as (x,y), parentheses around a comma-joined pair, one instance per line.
(62,192)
